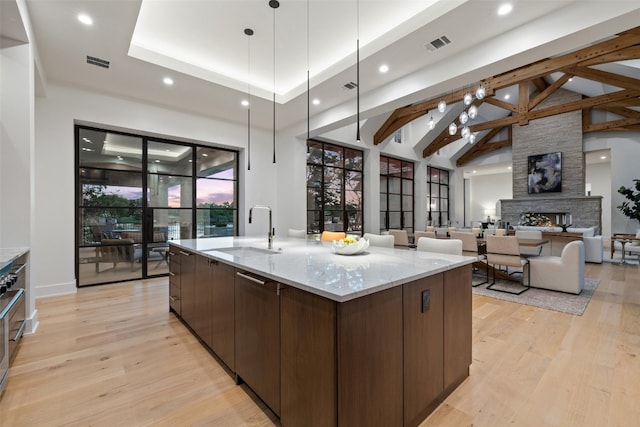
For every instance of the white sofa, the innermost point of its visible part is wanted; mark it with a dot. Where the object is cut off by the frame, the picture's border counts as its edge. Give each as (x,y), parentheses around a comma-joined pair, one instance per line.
(593,244)
(564,273)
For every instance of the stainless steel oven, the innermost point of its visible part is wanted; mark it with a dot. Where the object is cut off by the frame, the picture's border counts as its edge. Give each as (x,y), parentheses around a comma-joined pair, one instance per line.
(12,319)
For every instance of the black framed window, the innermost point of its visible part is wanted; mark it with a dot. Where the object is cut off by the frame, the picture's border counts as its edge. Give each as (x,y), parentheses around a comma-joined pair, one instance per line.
(396,194)
(334,188)
(134,194)
(437,196)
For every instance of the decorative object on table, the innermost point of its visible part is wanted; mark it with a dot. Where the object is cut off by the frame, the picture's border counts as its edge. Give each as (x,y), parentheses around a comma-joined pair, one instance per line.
(350,246)
(631,207)
(564,221)
(544,173)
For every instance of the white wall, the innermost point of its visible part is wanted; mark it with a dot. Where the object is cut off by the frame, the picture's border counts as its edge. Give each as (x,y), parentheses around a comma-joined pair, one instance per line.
(599,176)
(16,118)
(53,243)
(16,160)
(485,191)
(625,152)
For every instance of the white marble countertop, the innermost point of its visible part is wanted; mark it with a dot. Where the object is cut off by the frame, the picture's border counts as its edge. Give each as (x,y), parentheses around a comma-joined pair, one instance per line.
(313,267)
(8,255)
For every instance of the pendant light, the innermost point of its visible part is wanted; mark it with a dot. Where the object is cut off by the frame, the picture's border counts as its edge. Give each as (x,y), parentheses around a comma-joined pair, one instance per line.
(274,4)
(358,71)
(431,123)
(442,105)
(249,33)
(308,85)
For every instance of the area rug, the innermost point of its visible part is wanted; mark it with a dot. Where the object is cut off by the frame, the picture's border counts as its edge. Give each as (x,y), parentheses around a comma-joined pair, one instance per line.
(543,298)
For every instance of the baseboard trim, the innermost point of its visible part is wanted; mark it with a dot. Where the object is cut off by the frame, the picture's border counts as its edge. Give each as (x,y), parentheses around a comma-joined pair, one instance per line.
(55,290)
(31,324)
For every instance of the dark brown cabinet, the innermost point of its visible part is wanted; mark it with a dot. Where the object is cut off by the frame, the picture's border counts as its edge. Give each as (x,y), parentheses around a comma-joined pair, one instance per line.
(309,364)
(188,287)
(175,294)
(457,326)
(202,320)
(258,336)
(386,358)
(423,347)
(223,313)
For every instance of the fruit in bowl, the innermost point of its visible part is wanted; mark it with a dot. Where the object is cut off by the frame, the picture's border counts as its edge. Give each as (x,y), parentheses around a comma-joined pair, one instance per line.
(350,246)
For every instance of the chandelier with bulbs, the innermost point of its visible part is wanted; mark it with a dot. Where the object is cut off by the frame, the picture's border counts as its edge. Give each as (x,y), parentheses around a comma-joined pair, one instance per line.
(469,112)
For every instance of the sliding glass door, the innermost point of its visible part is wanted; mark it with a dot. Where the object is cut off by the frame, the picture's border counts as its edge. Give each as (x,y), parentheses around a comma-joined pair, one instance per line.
(134,194)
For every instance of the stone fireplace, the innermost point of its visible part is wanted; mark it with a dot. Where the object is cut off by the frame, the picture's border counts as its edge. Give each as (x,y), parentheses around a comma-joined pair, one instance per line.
(560,133)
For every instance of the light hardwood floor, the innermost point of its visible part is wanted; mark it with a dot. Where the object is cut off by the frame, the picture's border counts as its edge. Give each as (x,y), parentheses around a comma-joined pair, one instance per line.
(113,355)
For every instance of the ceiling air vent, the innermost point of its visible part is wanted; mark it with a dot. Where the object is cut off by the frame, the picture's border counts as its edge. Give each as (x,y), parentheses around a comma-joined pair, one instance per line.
(350,85)
(97,61)
(436,44)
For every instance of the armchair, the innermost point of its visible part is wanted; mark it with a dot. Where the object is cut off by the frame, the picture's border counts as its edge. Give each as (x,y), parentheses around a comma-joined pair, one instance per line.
(564,273)
(385,241)
(443,246)
(115,251)
(400,237)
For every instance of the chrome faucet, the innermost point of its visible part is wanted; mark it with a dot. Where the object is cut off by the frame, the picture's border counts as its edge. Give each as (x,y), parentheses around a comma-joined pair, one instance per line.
(272,231)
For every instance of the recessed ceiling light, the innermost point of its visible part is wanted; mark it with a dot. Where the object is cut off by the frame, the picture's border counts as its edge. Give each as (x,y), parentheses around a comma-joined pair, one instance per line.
(505,9)
(383,68)
(316,101)
(205,155)
(474,172)
(245,103)
(507,96)
(85,19)
(168,81)
(509,168)
(603,157)
(570,79)
(157,161)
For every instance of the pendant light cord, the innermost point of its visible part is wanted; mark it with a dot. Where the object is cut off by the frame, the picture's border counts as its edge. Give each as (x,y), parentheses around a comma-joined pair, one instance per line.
(308,84)
(274,5)
(358,71)
(249,33)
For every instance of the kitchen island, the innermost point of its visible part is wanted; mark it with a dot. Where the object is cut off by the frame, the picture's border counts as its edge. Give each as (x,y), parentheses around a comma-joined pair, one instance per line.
(378,338)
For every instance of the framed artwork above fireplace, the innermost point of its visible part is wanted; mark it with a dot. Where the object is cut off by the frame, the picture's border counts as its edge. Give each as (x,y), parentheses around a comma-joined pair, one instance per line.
(544,173)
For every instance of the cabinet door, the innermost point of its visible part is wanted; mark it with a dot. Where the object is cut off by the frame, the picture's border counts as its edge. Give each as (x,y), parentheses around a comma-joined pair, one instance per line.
(204,299)
(258,337)
(223,313)
(370,360)
(175,294)
(457,325)
(188,286)
(309,369)
(423,347)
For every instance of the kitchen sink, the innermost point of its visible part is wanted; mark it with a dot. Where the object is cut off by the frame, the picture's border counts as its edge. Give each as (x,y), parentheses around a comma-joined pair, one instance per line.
(245,251)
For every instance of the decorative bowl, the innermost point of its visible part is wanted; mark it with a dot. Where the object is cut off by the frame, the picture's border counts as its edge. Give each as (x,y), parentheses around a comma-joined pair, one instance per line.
(350,246)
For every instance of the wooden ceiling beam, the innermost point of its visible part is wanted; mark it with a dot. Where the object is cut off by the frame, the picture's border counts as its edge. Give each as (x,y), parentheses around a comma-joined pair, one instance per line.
(596,127)
(606,77)
(620,111)
(523,102)
(469,154)
(502,104)
(395,120)
(583,103)
(478,151)
(540,84)
(545,67)
(443,139)
(632,52)
(549,90)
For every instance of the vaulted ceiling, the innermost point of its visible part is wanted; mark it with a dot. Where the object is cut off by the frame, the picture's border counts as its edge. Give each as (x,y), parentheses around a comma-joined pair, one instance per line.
(535,83)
